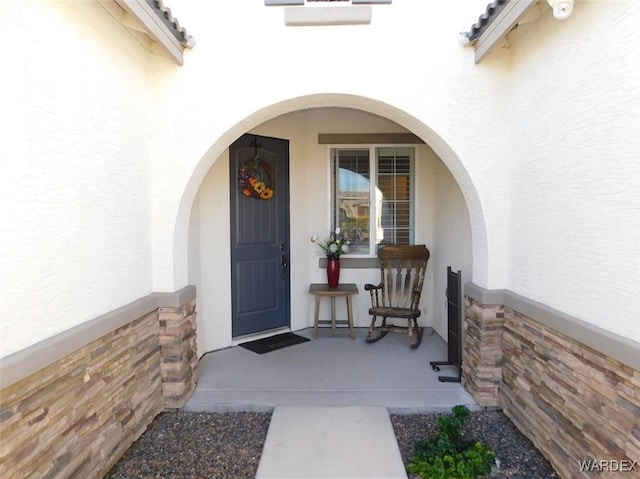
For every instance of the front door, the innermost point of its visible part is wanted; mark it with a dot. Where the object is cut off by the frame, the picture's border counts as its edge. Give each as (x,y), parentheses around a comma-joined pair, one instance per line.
(259,170)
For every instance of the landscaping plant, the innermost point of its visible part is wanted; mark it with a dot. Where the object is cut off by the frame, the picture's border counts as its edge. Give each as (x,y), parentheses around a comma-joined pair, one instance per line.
(449,455)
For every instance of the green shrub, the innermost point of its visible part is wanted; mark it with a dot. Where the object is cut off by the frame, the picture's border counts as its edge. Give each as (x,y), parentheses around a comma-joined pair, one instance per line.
(449,455)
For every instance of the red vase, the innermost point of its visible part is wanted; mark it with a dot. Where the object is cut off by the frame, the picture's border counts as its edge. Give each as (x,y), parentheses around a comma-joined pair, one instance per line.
(333,272)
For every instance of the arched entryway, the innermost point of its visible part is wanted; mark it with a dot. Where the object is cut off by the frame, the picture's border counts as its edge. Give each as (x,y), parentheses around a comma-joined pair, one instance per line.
(448,211)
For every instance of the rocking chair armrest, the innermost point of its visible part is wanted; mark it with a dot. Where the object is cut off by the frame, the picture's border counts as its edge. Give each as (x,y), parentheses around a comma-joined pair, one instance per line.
(375,295)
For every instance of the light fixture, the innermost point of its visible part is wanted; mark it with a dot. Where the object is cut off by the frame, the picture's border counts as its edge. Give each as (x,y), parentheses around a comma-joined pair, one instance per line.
(463,39)
(562,9)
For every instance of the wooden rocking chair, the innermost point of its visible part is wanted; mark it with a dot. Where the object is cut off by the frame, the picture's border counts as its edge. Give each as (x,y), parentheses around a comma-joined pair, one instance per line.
(402,270)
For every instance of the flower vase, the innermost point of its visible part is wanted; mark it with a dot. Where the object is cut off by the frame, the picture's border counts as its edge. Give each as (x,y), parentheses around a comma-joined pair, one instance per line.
(333,272)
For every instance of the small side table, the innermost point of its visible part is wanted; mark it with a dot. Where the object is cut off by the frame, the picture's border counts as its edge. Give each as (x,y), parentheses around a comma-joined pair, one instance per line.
(322,290)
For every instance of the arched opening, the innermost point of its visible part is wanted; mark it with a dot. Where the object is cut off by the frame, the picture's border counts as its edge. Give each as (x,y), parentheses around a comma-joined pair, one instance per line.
(448,215)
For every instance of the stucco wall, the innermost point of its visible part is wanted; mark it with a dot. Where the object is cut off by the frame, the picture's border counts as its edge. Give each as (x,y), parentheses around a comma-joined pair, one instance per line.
(574,236)
(74,186)
(441,220)
(106,145)
(228,87)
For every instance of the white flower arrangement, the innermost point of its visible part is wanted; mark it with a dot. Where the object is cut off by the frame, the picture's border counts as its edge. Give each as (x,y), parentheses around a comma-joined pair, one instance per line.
(334,246)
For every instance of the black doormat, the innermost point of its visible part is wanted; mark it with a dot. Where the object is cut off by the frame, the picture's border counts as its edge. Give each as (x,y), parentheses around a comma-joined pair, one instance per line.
(273,343)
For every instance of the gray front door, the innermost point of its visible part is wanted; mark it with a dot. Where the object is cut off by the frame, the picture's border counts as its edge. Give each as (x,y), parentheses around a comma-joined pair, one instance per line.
(259,171)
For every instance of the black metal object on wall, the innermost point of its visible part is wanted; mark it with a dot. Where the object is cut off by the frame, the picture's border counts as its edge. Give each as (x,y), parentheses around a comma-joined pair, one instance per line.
(455,306)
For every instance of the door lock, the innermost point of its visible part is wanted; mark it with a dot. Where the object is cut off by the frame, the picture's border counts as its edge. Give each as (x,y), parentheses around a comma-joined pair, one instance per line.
(283,264)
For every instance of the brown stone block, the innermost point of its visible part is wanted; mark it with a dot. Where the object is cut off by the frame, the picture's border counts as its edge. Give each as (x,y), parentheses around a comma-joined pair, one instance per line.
(169,316)
(629,403)
(35,466)
(174,388)
(36,416)
(172,363)
(632,447)
(605,442)
(521,382)
(629,392)
(165,340)
(178,375)
(556,340)
(603,388)
(634,379)
(592,359)
(623,421)
(178,331)
(176,348)
(574,411)
(22,453)
(562,382)
(560,456)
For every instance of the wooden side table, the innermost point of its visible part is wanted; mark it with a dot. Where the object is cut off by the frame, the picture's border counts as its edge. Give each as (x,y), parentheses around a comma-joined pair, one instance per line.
(323,290)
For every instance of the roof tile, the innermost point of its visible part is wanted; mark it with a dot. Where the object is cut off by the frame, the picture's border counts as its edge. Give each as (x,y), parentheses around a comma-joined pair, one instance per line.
(492,11)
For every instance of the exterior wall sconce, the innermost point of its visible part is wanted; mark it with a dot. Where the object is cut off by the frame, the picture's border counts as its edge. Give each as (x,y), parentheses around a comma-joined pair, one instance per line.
(562,9)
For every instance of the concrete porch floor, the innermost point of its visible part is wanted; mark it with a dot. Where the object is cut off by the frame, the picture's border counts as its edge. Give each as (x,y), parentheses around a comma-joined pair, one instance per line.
(331,398)
(332,370)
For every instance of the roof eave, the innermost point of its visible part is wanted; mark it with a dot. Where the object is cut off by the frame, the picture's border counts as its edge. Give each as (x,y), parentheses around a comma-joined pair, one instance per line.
(500,18)
(159,25)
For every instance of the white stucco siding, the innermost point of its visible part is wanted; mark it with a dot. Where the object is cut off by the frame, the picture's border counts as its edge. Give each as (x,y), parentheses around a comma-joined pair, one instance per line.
(452,242)
(107,145)
(73,182)
(211,266)
(249,67)
(575,204)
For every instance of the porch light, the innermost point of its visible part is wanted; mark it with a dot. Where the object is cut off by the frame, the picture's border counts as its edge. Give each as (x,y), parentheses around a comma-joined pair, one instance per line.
(562,9)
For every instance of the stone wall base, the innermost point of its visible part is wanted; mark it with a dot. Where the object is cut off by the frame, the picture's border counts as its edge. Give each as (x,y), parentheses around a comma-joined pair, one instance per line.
(178,350)
(78,416)
(576,404)
(482,352)
(78,409)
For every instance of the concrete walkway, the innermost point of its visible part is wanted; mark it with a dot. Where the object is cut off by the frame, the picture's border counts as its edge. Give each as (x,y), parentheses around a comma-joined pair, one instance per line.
(330,442)
(331,399)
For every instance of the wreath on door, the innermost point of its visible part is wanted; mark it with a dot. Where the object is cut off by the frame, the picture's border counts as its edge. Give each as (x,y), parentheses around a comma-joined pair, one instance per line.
(255,179)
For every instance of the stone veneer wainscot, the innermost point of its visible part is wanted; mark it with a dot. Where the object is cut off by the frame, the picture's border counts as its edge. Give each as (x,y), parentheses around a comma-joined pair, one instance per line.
(72,405)
(573,389)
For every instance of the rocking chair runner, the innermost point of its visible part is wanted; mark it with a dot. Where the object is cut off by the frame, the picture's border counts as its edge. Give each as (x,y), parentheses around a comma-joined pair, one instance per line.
(402,270)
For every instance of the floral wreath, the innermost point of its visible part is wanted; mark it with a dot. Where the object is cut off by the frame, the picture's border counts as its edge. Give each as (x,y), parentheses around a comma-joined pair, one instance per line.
(255,178)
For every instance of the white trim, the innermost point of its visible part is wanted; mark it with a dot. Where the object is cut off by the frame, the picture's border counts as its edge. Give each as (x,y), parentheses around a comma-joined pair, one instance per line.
(373,187)
(138,17)
(618,347)
(27,361)
(501,26)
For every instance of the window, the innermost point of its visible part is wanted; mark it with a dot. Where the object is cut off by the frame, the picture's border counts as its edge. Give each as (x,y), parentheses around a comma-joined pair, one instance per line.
(373,196)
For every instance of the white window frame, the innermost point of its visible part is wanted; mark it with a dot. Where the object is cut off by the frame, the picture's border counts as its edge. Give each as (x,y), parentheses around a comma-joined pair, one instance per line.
(373,168)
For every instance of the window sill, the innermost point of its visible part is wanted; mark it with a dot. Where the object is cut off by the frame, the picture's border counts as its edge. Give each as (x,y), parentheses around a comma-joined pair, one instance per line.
(353,263)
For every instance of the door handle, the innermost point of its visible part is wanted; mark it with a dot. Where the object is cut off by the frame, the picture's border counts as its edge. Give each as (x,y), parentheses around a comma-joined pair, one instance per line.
(283,263)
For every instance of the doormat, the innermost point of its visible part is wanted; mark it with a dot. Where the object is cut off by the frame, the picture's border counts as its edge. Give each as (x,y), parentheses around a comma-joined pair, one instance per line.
(273,343)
